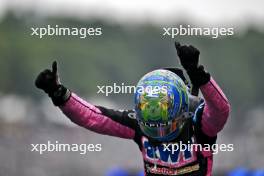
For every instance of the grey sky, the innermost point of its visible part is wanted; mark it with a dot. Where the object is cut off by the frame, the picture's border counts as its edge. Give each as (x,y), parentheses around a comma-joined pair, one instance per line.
(202,12)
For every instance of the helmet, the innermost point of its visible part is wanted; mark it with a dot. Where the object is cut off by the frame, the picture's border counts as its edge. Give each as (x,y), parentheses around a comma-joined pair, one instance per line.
(161,101)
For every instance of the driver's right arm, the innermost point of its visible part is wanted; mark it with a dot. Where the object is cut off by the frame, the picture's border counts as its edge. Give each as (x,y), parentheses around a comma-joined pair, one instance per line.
(99,119)
(95,118)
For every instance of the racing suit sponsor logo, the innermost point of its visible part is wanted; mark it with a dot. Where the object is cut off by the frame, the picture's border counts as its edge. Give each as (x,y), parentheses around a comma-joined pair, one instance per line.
(169,171)
(169,158)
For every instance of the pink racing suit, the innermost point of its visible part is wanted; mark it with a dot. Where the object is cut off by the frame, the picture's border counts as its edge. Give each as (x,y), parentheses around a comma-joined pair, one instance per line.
(209,118)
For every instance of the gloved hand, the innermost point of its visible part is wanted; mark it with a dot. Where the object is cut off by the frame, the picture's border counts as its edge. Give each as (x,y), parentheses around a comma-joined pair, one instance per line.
(189,56)
(48,81)
(189,59)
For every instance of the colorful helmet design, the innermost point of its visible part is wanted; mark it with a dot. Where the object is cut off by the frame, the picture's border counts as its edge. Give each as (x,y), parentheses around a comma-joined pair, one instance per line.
(161,99)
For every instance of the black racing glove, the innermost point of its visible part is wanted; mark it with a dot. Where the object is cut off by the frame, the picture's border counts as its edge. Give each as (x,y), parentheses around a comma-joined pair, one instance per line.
(189,59)
(48,81)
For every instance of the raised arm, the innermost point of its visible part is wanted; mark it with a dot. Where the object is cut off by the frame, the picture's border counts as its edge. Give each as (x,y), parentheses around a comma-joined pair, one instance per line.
(216,109)
(95,118)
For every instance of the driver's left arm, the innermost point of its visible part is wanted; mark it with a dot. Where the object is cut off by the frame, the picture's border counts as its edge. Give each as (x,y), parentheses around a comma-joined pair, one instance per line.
(216,109)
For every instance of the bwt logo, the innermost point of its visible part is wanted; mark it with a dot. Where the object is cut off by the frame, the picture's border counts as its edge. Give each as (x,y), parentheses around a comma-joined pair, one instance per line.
(166,152)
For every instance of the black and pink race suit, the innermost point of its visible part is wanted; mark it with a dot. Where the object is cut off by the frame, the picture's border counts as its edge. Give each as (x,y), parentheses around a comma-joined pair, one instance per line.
(208,120)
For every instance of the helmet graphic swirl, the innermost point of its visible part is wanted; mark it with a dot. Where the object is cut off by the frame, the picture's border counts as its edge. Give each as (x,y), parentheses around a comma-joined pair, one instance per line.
(161,99)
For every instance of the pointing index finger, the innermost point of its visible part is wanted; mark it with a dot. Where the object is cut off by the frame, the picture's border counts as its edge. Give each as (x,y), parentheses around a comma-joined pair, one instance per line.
(54,67)
(177,45)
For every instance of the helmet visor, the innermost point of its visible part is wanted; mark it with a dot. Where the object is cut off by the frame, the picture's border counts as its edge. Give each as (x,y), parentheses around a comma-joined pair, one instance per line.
(160,130)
